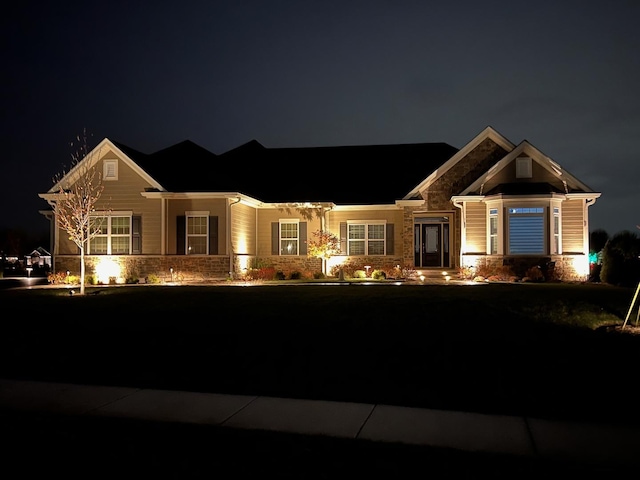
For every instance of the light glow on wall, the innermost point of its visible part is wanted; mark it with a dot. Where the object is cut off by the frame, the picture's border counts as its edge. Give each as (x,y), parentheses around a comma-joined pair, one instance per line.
(106,269)
(580,266)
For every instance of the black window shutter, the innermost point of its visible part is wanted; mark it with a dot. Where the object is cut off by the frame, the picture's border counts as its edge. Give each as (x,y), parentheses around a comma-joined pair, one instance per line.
(302,235)
(390,239)
(343,237)
(275,238)
(213,235)
(136,235)
(181,229)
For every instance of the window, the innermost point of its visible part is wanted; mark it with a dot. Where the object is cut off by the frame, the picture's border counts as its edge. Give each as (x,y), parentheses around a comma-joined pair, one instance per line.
(526,230)
(523,167)
(112,235)
(289,237)
(366,238)
(493,231)
(110,170)
(197,233)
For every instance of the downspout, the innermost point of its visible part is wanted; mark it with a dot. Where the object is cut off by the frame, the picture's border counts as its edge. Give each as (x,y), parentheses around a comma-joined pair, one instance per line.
(229,241)
(463,229)
(323,223)
(163,226)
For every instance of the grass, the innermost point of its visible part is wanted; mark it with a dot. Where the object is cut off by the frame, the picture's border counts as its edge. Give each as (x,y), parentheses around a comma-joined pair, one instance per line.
(543,350)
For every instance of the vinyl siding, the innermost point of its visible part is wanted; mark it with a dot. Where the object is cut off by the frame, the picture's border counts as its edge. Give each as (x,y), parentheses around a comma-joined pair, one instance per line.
(539,174)
(124,195)
(395,217)
(572,226)
(243,230)
(476,215)
(216,207)
(267,216)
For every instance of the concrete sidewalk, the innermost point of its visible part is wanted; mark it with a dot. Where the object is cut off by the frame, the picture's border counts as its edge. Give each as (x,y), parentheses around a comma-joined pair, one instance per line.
(584,443)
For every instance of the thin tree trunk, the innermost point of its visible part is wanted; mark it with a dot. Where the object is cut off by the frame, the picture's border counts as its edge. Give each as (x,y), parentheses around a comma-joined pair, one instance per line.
(82,270)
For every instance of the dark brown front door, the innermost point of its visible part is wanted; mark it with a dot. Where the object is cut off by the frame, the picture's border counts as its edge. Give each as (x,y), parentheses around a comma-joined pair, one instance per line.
(431,244)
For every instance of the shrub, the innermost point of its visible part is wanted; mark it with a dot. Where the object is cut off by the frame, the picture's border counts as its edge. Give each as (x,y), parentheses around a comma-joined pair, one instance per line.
(261,273)
(534,274)
(151,278)
(295,275)
(378,275)
(621,260)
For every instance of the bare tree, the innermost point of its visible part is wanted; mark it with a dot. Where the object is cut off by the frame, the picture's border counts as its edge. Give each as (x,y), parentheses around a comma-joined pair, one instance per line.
(77,193)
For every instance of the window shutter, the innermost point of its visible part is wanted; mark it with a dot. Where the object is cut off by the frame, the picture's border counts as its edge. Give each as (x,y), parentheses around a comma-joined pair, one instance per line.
(275,238)
(343,237)
(136,235)
(213,235)
(302,235)
(181,229)
(390,239)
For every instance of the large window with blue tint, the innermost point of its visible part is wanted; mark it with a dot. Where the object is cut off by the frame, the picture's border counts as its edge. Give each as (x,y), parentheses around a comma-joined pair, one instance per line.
(526,231)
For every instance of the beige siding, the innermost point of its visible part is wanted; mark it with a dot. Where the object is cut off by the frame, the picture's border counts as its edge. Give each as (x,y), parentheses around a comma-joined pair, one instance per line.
(335,218)
(243,229)
(508,175)
(267,216)
(177,208)
(476,222)
(572,226)
(124,195)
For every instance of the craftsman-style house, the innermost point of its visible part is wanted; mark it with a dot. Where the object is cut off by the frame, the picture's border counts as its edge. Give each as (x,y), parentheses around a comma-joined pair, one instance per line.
(427,207)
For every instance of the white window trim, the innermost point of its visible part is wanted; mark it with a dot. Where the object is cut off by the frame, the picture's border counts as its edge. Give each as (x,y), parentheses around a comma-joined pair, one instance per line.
(499,206)
(110,166)
(547,204)
(109,216)
(553,235)
(366,224)
(282,221)
(196,213)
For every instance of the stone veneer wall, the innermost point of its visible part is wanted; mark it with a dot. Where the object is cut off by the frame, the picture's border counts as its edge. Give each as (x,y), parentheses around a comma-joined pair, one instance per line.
(291,263)
(437,196)
(186,268)
(463,174)
(563,265)
(408,258)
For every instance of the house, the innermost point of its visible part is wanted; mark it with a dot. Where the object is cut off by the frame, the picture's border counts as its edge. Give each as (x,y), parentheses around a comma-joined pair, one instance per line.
(425,206)
(38,259)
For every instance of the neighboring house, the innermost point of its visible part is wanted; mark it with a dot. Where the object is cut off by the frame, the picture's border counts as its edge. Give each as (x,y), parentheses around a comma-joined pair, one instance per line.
(39,258)
(425,207)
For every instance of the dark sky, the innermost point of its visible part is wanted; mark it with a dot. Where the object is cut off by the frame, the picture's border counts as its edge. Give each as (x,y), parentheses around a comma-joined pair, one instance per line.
(564,75)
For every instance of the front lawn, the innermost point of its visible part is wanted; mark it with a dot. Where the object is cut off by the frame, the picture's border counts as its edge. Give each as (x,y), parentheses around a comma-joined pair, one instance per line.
(546,350)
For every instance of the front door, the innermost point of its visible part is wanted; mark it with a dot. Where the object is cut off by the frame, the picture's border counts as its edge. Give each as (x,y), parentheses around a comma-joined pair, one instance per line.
(431,242)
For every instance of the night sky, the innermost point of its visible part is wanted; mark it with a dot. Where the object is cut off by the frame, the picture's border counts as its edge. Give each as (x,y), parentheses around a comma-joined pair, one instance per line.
(564,75)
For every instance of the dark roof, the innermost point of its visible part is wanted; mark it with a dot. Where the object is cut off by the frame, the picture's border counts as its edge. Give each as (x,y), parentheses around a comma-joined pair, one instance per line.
(369,174)
(177,168)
